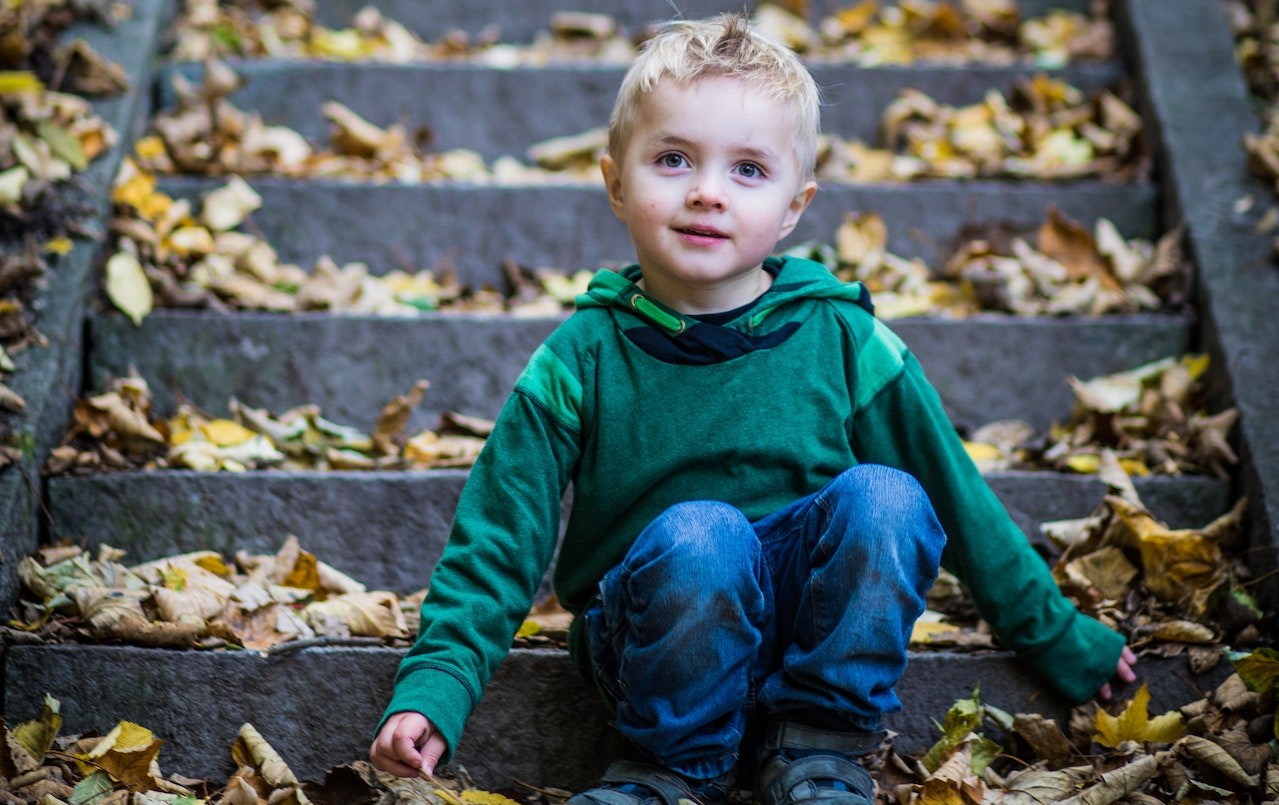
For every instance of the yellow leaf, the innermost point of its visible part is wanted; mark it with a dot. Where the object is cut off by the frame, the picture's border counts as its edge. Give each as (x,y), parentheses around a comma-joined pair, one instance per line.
(126,753)
(1134,467)
(59,246)
(225,432)
(1135,724)
(36,736)
(150,147)
(132,185)
(180,430)
(1183,565)
(922,631)
(128,287)
(476,797)
(305,573)
(980,451)
(1084,463)
(18,81)
(528,629)
(1196,364)
(215,565)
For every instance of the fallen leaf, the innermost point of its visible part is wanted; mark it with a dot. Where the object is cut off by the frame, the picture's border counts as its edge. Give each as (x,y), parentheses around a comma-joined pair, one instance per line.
(1135,724)
(128,288)
(36,736)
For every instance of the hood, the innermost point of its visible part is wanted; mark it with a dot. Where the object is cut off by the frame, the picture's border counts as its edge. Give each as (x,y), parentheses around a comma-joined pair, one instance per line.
(796,279)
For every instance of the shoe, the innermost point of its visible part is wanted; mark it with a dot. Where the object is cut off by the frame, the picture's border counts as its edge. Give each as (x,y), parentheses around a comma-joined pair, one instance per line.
(632,782)
(803,765)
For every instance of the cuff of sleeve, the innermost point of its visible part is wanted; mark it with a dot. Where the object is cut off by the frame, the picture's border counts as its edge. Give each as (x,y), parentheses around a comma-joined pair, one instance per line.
(436,694)
(1084,659)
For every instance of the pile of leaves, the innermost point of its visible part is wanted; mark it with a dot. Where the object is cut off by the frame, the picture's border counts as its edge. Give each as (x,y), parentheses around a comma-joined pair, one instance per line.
(870,33)
(40,766)
(288,30)
(1169,591)
(1149,417)
(206,134)
(269,603)
(200,600)
(118,430)
(170,254)
(47,135)
(995,268)
(1184,589)
(866,32)
(1044,129)
(1218,749)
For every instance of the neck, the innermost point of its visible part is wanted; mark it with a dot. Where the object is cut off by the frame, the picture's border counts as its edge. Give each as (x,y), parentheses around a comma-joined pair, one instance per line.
(697,301)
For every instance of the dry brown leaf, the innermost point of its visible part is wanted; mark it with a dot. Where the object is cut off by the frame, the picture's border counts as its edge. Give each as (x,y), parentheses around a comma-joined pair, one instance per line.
(1209,756)
(395,417)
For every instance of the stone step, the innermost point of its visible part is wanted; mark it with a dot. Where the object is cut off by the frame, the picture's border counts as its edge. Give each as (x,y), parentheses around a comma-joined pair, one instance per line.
(538,722)
(503,111)
(162,513)
(477,227)
(985,368)
(520,22)
(47,377)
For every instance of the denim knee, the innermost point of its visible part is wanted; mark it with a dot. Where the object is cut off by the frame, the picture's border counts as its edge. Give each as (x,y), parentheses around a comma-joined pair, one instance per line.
(885,505)
(704,544)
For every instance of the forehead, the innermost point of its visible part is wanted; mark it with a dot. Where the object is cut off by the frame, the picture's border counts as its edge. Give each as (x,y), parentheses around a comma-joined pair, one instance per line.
(714,107)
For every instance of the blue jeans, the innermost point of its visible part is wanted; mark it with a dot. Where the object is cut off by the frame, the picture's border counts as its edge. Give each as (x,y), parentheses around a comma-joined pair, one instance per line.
(712,620)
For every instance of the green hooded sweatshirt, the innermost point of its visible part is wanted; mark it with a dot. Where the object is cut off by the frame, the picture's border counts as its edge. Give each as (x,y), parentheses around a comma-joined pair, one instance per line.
(641,407)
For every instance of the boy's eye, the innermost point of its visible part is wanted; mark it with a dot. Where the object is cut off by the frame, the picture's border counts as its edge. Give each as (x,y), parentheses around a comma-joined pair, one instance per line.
(750,170)
(671,160)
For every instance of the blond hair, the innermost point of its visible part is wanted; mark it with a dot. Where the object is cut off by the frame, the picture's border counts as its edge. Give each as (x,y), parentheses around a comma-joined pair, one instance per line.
(726,45)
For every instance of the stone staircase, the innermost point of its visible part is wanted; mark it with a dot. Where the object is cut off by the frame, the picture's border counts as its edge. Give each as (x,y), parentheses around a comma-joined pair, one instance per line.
(538,721)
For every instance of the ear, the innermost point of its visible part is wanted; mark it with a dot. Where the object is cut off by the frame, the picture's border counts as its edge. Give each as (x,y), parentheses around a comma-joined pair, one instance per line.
(797,206)
(613,184)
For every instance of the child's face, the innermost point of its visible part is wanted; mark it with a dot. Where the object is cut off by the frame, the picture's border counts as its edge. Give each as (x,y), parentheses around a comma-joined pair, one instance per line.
(708,184)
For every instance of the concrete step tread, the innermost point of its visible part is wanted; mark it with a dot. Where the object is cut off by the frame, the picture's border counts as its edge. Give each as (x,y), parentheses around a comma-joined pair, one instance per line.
(985,368)
(538,720)
(160,513)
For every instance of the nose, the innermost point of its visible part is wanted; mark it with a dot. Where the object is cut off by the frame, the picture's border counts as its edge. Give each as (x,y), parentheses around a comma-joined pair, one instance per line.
(707,192)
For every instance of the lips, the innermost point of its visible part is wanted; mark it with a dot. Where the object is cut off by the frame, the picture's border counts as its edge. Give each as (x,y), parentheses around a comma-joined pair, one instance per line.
(701,232)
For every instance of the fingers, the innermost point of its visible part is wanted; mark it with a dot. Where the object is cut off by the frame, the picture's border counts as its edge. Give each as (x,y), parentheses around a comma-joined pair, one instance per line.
(406,745)
(1123,672)
(1126,662)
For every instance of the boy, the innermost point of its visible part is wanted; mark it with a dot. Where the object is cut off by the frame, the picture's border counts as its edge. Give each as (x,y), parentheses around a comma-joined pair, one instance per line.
(761,476)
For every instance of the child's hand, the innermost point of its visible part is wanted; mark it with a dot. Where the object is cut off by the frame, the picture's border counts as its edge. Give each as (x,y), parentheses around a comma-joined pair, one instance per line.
(1123,672)
(408,745)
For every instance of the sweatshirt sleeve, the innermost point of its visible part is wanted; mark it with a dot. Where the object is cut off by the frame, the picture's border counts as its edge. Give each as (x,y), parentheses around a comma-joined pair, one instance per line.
(500,546)
(899,421)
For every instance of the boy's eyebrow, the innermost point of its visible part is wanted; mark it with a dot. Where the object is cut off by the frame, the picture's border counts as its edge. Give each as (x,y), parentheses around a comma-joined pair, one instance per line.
(749,151)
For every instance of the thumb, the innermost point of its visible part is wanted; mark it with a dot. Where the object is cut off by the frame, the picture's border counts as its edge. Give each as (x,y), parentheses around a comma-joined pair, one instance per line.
(432,751)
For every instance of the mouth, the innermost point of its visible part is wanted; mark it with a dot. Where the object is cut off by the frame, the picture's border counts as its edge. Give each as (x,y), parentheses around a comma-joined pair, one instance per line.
(701,232)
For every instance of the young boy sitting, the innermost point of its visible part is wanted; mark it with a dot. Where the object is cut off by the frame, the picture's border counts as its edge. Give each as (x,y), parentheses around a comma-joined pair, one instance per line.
(763,480)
